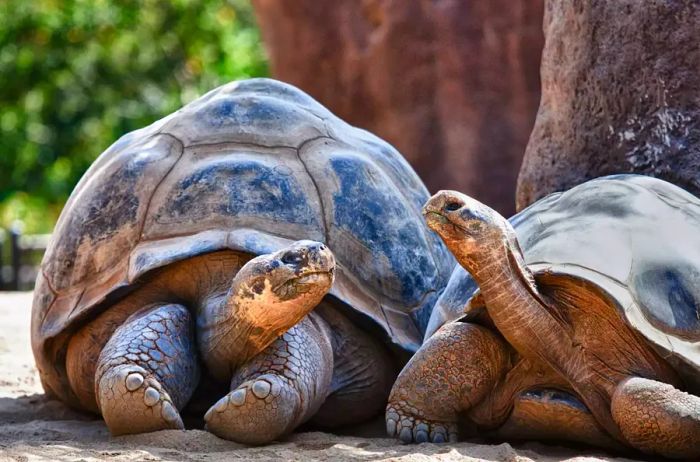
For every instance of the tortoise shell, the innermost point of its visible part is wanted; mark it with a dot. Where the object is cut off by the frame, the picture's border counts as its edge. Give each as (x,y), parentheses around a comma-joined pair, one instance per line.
(250,166)
(634,238)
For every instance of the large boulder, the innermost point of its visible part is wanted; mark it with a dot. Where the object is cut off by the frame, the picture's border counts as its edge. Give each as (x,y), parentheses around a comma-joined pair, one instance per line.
(620,94)
(454,84)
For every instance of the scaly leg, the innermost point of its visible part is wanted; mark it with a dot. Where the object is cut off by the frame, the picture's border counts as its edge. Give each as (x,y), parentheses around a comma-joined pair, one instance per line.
(657,418)
(278,389)
(454,370)
(362,377)
(147,371)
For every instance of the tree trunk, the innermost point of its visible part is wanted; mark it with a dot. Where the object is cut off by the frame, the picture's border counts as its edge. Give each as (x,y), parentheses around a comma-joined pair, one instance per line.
(453,84)
(620,94)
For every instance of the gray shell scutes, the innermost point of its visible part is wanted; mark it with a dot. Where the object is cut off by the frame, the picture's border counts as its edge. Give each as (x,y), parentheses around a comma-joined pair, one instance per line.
(251,166)
(635,237)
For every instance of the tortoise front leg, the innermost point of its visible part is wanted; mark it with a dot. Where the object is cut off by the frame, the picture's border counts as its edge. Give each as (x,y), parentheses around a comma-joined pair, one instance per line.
(454,370)
(657,418)
(147,371)
(278,389)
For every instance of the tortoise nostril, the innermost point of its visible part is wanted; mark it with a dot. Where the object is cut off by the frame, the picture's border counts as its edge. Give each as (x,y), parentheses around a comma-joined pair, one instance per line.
(452,206)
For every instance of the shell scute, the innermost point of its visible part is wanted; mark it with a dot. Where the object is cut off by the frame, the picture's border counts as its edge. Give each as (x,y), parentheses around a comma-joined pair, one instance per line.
(251,166)
(637,239)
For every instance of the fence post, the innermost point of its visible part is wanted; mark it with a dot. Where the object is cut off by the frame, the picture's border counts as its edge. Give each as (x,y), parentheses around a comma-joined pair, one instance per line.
(15,255)
(2,262)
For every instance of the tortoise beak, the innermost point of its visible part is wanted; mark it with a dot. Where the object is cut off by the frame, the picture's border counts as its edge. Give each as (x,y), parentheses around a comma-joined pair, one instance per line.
(435,220)
(433,210)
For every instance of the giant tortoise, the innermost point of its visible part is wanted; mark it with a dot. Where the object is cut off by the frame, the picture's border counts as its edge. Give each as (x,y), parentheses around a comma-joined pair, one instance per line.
(178,250)
(590,333)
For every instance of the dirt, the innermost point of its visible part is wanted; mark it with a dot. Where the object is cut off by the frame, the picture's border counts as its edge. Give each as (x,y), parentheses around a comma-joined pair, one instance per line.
(33,427)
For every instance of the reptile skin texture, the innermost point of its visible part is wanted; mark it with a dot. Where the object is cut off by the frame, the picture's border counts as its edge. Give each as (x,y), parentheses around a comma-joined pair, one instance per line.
(148,370)
(658,418)
(278,389)
(454,370)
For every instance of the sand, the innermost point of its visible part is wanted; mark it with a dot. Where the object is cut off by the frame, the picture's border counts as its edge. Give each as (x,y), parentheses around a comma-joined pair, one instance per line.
(35,428)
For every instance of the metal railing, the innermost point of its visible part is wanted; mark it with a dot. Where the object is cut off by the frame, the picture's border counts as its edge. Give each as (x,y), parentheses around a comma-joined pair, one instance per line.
(20,256)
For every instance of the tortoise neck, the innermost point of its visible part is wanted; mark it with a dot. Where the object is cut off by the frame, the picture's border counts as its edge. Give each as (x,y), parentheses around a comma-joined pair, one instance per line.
(513,301)
(537,330)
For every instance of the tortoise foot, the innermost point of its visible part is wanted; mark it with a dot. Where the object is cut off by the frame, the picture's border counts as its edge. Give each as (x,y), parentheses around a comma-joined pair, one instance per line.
(406,426)
(258,411)
(133,401)
(454,368)
(277,390)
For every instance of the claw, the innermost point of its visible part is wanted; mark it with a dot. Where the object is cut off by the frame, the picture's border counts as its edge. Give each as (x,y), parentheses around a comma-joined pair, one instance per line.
(391,427)
(237,398)
(261,389)
(406,436)
(404,425)
(421,436)
(151,397)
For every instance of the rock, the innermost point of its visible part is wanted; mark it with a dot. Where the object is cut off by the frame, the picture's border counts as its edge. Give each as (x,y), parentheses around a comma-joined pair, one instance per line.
(620,94)
(453,84)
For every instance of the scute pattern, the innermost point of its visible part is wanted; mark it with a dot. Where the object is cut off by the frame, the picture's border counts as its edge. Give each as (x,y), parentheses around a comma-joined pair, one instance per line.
(369,210)
(107,214)
(250,166)
(636,237)
(240,186)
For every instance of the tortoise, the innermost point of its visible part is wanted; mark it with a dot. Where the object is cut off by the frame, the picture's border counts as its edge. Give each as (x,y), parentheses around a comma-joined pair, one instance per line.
(590,333)
(176,266)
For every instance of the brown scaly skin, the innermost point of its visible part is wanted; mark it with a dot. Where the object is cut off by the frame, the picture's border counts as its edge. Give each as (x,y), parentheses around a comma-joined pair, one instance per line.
(648,413)
(268,296)
(465,368)
(138,363)
(268,392)
(323,369)
(456,368)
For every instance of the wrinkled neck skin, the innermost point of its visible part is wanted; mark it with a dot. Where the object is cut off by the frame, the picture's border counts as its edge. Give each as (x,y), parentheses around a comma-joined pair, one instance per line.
(236,325)
(509,293)
(532,327)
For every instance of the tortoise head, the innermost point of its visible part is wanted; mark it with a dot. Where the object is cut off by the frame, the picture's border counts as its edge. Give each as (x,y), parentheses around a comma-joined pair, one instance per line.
(300,274)
(269,294)
(473,232)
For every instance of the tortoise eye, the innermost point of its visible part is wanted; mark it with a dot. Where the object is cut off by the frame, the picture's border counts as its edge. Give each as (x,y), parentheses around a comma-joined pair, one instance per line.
(291,258)
(452,206)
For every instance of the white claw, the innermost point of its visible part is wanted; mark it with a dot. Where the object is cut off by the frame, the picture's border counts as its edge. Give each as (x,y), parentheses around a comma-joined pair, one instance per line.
(390,427)
(151,396)
(168,412)
(261,389)
(237,398)
(134,381)
(221,405)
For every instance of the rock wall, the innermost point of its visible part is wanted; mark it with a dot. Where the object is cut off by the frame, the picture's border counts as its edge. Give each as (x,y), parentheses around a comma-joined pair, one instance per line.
(620,94)
(453,84)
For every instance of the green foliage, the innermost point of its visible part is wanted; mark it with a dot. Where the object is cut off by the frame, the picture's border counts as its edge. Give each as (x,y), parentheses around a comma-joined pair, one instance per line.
(75,75)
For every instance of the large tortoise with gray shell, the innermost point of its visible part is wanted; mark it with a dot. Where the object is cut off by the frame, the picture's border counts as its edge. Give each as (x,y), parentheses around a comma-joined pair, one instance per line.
(585,326)
(179,247)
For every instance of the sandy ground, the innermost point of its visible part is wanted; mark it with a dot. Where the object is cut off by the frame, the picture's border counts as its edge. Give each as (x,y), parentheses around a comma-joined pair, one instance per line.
(34,428)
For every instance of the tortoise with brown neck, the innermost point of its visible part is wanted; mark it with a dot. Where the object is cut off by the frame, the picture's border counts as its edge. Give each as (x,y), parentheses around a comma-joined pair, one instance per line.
(178,252)
(593,334)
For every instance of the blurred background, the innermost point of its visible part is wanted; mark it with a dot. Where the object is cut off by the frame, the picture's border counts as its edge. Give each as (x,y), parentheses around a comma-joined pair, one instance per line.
(453,84)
